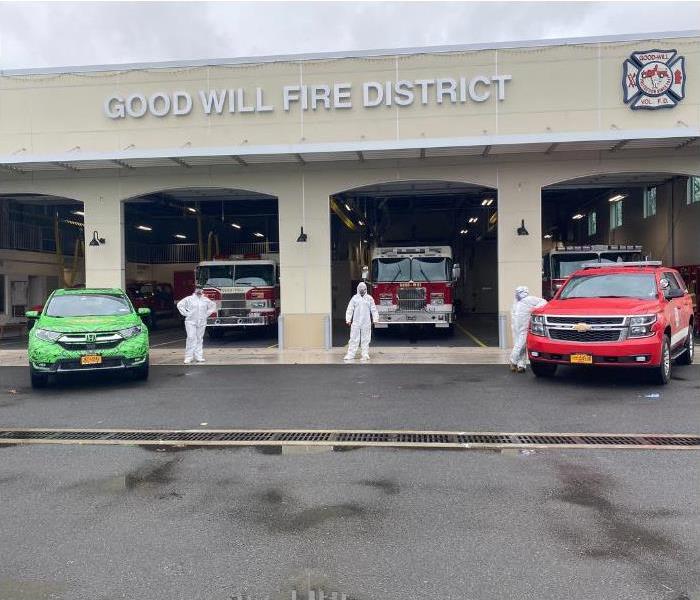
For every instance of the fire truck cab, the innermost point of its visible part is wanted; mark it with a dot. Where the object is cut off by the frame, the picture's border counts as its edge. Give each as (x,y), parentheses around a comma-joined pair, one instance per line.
(413,285)
(245,289)
(562,261)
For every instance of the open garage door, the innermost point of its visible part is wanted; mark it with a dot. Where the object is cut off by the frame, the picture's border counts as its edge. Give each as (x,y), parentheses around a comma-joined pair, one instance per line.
(621,217)
(226,241)
(42,248)
(431,257)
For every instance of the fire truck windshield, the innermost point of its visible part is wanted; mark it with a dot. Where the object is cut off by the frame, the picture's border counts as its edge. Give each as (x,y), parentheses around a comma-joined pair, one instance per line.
(430,269)
(254,275)
(391,269)
(215,276)
(564,265)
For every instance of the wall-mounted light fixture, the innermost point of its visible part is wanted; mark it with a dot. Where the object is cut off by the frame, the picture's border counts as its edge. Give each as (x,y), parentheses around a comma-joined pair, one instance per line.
(302,236)
(521,230)
(96,239)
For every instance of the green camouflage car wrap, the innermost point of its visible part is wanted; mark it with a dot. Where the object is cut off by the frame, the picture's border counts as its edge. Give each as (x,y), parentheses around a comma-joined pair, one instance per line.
(44,355)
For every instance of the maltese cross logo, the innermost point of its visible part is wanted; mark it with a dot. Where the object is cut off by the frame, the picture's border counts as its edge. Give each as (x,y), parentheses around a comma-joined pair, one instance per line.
(653,79)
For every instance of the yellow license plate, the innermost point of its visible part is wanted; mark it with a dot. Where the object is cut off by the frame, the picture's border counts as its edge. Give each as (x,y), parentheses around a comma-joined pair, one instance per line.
(91,359)
(581,359)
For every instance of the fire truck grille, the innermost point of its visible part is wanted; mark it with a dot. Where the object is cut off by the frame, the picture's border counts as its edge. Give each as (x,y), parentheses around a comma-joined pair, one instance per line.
(569,335)
(411,299)
(233,305)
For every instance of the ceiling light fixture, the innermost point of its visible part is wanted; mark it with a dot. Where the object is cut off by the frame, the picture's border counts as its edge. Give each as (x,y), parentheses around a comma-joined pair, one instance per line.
(487,202)
(180,236)
(144,228)
(236,225)
(348,208)
(80,213)
(258,234)
(473,219)
(577,217)
(548,236)
(191,209)
(616,198)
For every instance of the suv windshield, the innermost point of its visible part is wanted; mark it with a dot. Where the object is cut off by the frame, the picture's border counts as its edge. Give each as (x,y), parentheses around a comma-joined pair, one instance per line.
(87,305)
(254,275)
(391,269)
(614,285)
(430,269)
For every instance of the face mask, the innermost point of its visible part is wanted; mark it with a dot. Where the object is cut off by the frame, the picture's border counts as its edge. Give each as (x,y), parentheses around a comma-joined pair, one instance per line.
(362,292)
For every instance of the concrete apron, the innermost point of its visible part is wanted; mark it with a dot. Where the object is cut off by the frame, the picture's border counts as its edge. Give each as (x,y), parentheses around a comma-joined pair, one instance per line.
(271,356)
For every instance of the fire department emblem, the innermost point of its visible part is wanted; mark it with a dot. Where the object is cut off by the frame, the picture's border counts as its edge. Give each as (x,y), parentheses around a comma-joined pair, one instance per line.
(653,79)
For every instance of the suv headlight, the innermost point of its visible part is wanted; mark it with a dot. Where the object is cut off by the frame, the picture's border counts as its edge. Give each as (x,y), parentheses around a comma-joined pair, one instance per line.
(537,325)
(46,335)
(130,332)
(641,326)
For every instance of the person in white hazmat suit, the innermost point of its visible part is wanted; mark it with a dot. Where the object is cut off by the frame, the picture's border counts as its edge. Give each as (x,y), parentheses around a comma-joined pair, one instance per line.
(361,313)
(523,305)
(195,308)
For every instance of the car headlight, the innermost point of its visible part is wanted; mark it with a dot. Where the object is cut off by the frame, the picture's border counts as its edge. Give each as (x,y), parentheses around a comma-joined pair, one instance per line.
(130,332)
(537,325)
(46,335)
(640,326)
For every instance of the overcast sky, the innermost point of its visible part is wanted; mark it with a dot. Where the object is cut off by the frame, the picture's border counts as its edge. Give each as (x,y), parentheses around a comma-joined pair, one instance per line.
(71,33)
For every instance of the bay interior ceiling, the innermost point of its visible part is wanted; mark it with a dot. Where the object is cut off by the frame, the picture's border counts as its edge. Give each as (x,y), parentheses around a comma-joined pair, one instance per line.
(174,212)
(72,162)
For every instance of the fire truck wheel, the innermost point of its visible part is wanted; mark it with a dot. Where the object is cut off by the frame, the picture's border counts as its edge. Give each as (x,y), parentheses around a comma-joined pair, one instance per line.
(662,373)
(542,369)
(687,357)
(215,333)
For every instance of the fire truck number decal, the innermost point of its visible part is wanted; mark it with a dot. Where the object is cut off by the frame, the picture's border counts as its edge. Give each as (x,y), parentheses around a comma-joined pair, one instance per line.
(653,79)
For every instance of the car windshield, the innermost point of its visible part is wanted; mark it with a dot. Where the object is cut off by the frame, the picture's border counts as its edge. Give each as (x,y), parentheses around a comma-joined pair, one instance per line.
(87,305)
(254,275)
(564,265)
(613,285)
(215,276)
(430,269)
(391,269)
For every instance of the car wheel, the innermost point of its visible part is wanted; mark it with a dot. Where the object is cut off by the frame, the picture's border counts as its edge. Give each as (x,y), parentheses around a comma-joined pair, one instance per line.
(542,369)
(215,333)
(39,380)
(141,372)
(689,350)
(663,371)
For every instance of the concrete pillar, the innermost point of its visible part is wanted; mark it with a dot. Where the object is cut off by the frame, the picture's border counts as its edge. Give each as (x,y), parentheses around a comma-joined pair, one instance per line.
(519,256)
(305,267)
(105,264)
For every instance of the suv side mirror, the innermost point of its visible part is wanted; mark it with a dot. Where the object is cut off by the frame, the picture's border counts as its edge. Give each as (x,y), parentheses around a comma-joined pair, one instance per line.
(143,312)
(670,294)
(32,314)
(456,272)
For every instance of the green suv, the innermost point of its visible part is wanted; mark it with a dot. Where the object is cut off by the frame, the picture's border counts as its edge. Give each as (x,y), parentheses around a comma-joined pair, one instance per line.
(87,330)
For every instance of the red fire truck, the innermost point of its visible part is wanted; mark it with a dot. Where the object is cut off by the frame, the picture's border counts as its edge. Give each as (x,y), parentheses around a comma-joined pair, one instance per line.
(563,260)
(413,285)
(246,291)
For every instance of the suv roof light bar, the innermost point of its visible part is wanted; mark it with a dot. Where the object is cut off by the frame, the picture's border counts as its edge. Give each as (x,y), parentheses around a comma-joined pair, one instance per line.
(639,263)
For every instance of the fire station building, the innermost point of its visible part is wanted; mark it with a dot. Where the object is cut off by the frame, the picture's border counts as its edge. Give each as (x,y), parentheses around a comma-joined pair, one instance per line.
(126,173)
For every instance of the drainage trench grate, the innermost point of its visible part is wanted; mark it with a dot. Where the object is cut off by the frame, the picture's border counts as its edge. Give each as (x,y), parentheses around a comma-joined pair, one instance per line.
(402,439)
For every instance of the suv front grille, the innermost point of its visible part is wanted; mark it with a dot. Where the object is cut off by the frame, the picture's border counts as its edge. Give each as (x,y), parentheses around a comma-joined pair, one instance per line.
(596,335)
(87,341)
(588,320)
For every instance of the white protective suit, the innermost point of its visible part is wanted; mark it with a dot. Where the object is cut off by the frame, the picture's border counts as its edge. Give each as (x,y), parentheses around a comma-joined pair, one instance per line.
(361,312)
(520,321)
(195,308)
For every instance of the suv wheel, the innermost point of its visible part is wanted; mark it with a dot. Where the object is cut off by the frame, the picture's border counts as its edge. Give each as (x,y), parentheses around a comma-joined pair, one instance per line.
(689,350)
(663,371)
(543,369)
(39,380)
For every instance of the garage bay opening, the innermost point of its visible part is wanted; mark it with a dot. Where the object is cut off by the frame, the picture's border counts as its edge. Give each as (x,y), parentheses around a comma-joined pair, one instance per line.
(225,241)
(427,250)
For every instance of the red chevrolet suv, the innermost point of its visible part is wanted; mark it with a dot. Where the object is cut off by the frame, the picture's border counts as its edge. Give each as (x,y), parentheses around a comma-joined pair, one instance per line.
(633,314)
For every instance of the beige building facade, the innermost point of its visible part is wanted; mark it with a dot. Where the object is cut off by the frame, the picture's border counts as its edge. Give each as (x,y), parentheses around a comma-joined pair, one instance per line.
(514,118)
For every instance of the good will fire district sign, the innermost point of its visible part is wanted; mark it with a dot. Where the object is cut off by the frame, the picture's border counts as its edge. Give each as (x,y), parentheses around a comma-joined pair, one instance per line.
(653,79)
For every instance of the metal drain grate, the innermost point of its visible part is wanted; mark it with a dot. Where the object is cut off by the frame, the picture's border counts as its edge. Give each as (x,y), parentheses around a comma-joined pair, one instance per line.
(401,439)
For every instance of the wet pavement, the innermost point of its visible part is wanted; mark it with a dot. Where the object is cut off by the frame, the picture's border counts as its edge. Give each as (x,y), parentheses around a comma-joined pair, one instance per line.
(86,523)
